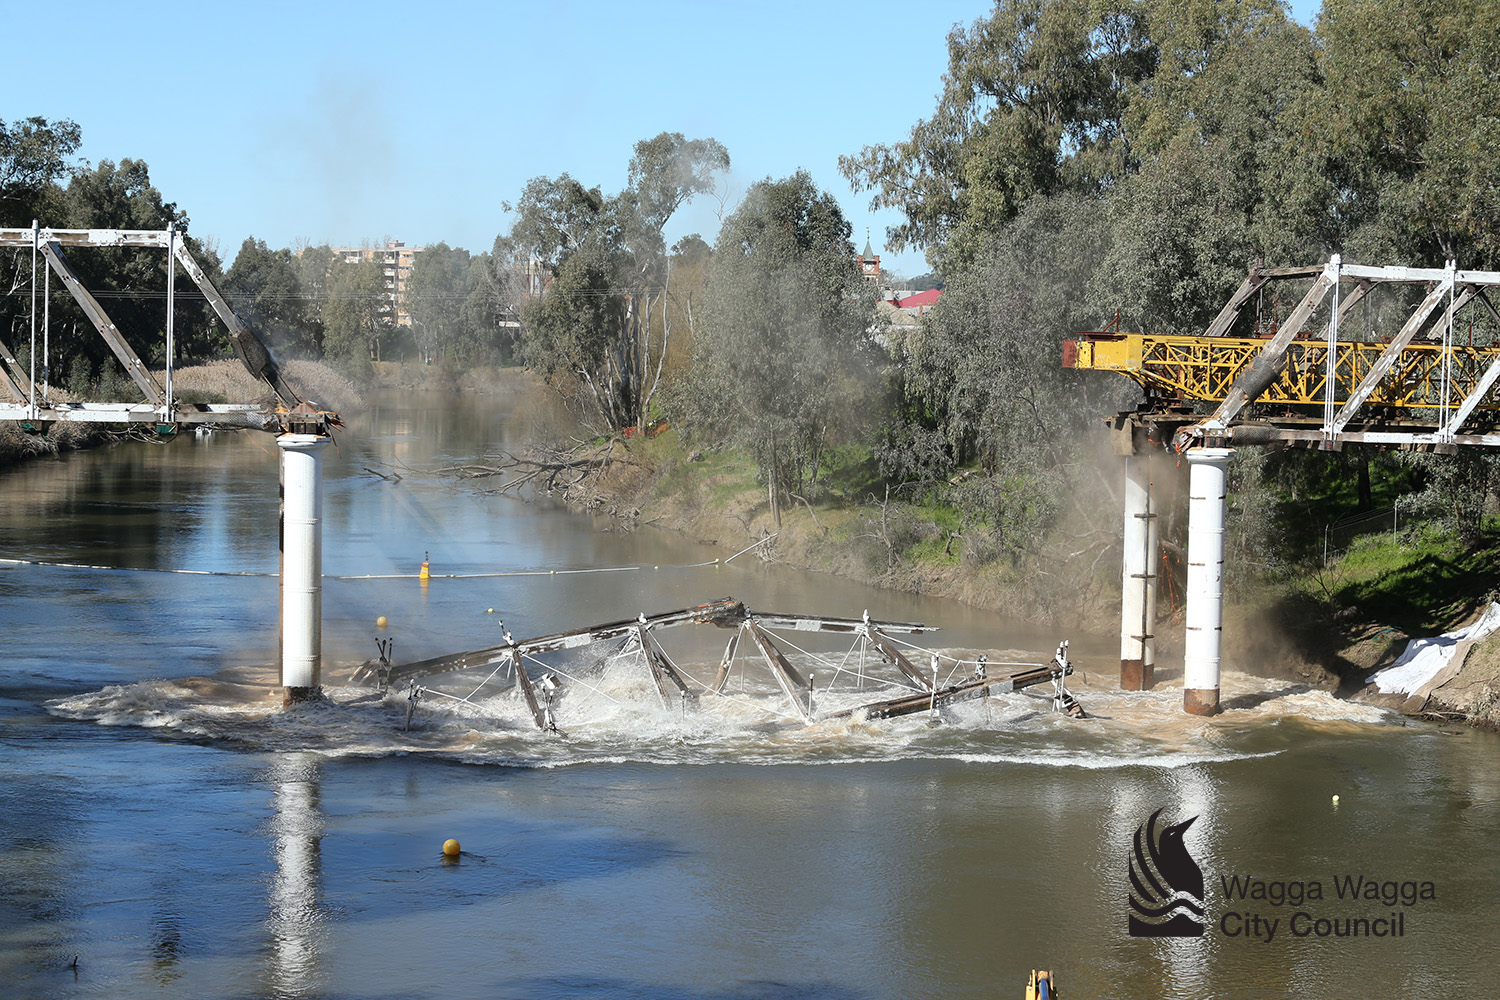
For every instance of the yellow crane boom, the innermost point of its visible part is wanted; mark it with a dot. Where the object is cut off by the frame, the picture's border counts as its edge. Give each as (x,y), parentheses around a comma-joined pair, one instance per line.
(1204,368)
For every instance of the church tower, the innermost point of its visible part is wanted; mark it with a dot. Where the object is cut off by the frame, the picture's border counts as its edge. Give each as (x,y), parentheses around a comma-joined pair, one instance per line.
(869,263)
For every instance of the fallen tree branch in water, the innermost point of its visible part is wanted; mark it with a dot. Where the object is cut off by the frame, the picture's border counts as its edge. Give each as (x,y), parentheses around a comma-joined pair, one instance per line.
(545,470)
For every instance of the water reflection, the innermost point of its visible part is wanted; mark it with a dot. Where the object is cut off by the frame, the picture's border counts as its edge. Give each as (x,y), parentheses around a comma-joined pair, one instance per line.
(297,914)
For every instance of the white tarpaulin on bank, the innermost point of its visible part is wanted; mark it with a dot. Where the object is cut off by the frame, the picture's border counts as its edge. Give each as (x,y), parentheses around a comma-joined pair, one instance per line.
(1423,658)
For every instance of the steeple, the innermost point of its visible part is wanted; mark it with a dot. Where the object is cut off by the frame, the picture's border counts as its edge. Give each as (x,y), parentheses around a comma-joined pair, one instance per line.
(869,262)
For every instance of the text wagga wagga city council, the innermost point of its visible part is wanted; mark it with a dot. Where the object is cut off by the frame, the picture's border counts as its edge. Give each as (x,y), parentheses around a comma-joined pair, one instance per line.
(1357,907)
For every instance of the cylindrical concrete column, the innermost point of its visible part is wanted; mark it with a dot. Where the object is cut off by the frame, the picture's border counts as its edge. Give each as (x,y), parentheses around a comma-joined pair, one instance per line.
(1207,487)
(301,564)
(1138,584)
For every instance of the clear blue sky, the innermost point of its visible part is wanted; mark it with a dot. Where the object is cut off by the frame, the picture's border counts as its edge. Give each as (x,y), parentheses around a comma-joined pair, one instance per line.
(346,122)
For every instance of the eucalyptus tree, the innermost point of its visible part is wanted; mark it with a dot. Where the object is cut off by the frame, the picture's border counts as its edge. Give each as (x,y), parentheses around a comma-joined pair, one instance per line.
(1408,125)
(264,288)
(1033,103)
(132,280)
(35,155)
(356,314)
(1223,175)
(594,328)
(500,282)
(436,290)
(784,354)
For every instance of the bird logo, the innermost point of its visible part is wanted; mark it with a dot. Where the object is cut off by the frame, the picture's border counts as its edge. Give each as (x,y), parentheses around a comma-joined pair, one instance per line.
(1166,884)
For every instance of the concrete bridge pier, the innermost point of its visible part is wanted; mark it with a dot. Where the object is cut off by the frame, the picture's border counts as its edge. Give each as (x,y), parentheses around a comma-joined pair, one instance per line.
(301,565)
(1208,475)
(1138,589)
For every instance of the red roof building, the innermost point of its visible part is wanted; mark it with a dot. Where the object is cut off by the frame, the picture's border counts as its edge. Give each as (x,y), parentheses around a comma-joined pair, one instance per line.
(917,302)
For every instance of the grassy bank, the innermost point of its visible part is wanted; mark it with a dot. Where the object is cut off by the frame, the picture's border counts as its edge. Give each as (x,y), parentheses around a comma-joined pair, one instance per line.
(845,524)
(1360,610)
(1326,626)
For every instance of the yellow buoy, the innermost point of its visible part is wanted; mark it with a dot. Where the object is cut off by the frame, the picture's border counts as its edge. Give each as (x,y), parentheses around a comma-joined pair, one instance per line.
(450,848)
(490,611)
(426,570)
(381,622)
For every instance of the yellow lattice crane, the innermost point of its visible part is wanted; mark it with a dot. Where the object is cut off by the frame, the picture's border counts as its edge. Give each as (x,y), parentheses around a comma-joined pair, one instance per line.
(1205,368)
(1387,392)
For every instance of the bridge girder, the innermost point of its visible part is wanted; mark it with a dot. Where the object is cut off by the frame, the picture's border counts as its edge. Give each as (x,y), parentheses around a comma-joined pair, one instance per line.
(1392,393)
(34,408)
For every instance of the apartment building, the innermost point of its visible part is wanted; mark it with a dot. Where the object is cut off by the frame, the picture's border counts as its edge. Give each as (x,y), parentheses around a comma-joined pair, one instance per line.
(396,260)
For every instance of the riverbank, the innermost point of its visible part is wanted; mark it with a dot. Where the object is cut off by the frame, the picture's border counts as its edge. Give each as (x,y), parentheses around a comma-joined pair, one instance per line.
(1327,629)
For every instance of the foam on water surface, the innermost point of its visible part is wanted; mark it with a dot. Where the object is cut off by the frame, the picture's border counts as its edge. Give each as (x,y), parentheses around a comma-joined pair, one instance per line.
(616,716)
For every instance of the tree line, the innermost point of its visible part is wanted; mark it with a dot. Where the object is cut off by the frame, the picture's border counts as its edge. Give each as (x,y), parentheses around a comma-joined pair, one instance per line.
(1086,161)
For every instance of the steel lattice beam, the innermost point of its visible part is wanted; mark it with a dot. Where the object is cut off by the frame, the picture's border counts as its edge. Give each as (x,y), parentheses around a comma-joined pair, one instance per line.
(1403,393)
(163,408)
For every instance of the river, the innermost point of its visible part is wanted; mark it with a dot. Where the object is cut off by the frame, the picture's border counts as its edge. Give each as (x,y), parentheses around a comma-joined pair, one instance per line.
(166,822)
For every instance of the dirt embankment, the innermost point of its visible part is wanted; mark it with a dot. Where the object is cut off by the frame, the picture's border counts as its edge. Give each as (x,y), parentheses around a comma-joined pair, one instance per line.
(1266,633)
(1467,688)
(640,488)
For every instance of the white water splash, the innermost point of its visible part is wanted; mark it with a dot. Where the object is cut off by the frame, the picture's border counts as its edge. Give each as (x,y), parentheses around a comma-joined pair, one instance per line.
(619,718)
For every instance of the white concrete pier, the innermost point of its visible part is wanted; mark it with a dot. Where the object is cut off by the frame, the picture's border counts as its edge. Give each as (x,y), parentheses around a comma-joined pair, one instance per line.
(301,565)
(1138,585)
(1208,478)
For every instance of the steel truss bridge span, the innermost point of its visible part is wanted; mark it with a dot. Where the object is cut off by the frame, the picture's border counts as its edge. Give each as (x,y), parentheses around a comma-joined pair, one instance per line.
(1309,384)
(543,684)
(28,399)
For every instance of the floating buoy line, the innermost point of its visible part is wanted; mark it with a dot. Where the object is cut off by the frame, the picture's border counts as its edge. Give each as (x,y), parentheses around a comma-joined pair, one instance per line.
(642,568)
(424,573)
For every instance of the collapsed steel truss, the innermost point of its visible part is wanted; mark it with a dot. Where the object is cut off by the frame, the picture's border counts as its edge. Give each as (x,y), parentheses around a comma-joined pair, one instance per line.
(1387,392)
(31,400)
(538,683)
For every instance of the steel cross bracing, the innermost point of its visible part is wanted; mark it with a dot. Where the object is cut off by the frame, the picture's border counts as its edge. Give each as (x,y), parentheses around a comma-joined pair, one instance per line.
(30,398)
(1310,385)
(541,684)
(1202,368)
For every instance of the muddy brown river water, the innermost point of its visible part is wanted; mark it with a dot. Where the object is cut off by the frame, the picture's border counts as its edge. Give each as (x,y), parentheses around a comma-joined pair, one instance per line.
(164,821)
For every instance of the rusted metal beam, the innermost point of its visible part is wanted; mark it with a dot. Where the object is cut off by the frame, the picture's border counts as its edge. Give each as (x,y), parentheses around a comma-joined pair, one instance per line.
(86,237)
(251,350)
(791,682)
(725,613)
(1263,371)
(134,367)
(20,376)
(662,669)
(970,687)
(726,663)
(523,681)
(1231,311)
(823,623)
(892,654)
(226,415)
(1388,356)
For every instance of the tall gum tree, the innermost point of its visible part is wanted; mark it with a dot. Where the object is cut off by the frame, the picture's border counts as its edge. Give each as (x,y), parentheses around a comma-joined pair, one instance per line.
(436,290)
(595,329)
(1033,103)
(1409,125)
(264,288)
(784,351)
